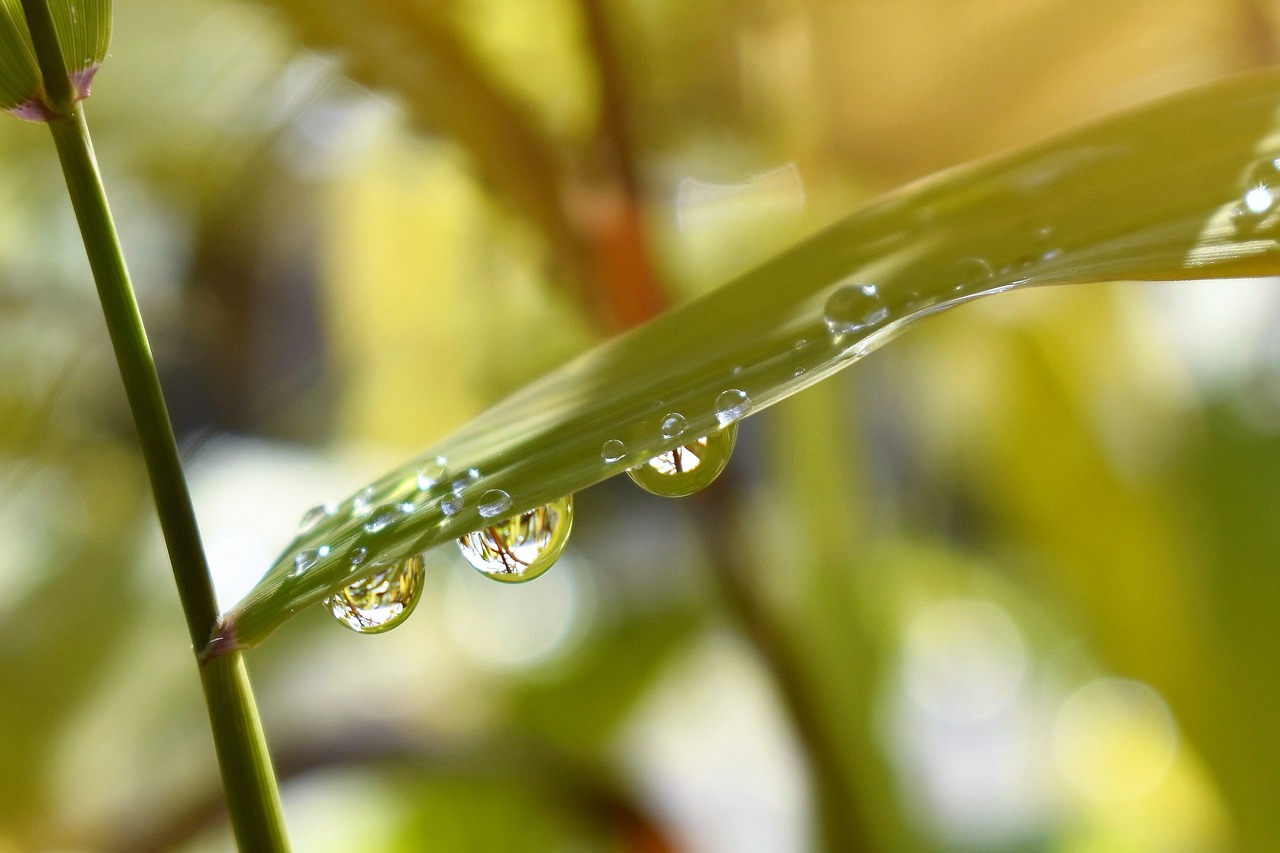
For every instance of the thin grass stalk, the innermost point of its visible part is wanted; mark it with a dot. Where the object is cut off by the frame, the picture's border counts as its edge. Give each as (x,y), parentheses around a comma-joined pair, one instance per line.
(247,776)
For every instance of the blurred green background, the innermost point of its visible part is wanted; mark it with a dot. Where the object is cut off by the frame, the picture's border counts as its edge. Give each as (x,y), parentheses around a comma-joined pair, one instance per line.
(1007,585)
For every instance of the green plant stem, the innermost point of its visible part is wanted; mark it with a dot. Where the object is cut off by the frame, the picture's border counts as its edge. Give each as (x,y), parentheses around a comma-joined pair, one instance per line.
(247,777)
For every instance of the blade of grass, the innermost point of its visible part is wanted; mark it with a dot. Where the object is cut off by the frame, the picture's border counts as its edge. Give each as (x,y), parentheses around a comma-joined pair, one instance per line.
(250,785)
(1181,189)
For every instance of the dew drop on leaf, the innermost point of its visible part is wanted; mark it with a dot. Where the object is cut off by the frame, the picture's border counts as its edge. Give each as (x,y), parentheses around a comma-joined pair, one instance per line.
(613,450)
(386,515)
(494,502)
(970,274)
(315,515)
(363,501)
(684,470)
(854,307)
(732,405)
(433,472)
(674,425)
(522,547)
(381,601)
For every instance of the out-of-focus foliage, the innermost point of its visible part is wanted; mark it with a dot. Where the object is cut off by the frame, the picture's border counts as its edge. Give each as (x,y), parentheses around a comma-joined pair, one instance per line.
(1004,585)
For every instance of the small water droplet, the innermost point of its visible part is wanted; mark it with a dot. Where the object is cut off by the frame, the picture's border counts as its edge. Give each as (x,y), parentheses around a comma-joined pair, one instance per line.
(470,476)
(1259,200)
(970,274)
(613,450)
(801,344)
(386,515)
(1051,255)
(381,601)
(522,547)
(854,307)
(732,405)
(304,560)
(433,472)
(674,425)
(494,502)
(737,371)
(359,555)
(684,470)
(452,504)
(799,371)
(363,501)
(315,515)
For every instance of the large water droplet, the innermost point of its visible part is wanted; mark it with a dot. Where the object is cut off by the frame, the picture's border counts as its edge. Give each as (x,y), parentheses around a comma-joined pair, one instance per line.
(613,450)
(674,425)
(732,405)
(433,472)
(381,601)
(854,307)
(684,470)
(522,547)
(494,502)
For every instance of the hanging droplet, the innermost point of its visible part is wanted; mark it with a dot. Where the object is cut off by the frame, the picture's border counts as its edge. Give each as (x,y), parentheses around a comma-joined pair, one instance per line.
(522,547)
(732,405)
(854,307)
(684,470)
(433,472)
(613,450)
(494,502)
(315,515)
(674,425)
(381,601)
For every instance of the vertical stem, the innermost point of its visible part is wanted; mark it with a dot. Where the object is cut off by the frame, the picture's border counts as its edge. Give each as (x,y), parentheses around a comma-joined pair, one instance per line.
(247,777)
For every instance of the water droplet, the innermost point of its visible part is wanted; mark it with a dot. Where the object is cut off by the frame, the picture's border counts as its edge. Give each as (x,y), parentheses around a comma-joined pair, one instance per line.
(494,502)
(799,371)
(1259,200)
(471,475)
(304,560)
(381,601)
(684,470)
(613,450)
(432,473)
(522,547)
(386,515)
(359,555)
(315,515)
(853,307)
(363,501)
(674,425)
(801,344)
(732,405)
(970,274)
(452,504)
(323,551)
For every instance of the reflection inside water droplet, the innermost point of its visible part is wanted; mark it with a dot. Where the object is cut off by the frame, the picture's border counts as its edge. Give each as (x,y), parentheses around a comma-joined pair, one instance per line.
(854,307)
(381,601)
(684,470)
(494,502)
(522,547)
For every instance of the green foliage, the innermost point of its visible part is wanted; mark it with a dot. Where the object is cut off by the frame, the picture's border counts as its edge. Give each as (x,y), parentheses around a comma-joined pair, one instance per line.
(1127,198)
(84,34)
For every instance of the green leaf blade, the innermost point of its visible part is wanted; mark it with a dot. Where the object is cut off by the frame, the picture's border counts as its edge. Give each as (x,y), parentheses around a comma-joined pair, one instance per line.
(1158,193)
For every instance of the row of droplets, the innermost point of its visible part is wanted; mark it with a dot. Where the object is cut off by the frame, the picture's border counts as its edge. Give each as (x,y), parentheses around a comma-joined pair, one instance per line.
(522,547)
